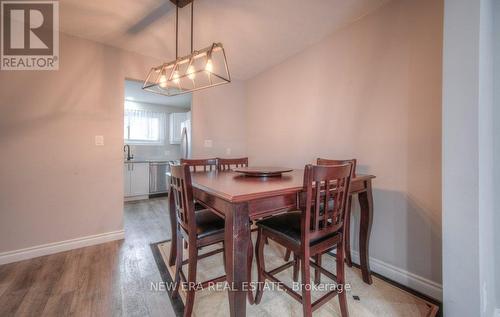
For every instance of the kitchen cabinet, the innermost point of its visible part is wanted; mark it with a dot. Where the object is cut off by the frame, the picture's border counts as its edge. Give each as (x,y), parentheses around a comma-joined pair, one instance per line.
(126,180)
(176,118)
(136,179)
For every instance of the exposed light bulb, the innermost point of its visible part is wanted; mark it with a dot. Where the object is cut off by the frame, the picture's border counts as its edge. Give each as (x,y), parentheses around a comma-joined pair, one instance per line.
(163,81)
(209,66)
(175,77)
(190,72)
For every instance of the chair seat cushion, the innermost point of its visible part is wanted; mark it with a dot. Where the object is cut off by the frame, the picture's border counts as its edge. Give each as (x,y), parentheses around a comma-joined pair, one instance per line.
(287,225)
(208,223)
(198,206)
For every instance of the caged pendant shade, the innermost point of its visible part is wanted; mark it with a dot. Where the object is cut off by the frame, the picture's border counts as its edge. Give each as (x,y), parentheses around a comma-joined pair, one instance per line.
(201,69)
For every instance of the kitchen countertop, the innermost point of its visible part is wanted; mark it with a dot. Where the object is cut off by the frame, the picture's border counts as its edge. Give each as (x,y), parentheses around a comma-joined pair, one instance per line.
(140,160)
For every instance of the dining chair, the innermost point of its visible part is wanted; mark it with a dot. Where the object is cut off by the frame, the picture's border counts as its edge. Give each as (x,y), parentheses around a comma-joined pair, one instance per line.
(201,165)
(347,227)
(229,164)
(322,161)
(200,228)
(316,227)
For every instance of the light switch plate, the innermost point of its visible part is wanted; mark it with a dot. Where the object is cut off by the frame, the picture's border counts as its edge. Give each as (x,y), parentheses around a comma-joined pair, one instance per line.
(228,151)
(208,143)
(99,140)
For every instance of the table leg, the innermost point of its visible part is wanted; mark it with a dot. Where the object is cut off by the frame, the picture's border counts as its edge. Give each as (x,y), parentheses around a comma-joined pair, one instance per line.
(347,232)
(173,230)
(237,235)
(366,203)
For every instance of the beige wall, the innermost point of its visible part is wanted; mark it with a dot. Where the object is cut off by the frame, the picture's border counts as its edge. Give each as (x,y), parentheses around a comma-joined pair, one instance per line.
(370,91)
(219,114)
(55,183)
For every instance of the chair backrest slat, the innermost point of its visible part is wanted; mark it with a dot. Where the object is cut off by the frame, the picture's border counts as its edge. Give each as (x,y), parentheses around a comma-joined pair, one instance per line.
(326,201)
(317,216)
(182,189)
(229,164)
(327,191)
(201,165)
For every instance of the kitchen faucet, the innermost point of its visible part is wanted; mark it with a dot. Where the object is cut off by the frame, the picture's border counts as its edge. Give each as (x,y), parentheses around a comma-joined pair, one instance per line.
(127,149)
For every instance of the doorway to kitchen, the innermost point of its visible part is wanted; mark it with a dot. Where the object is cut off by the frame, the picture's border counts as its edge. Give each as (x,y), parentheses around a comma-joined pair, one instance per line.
(157,133)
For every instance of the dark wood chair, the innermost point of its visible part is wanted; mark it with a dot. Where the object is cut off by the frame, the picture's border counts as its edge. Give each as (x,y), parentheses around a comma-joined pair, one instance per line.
(229,164)
(321,161)
(347,227)
(201,165)
(200,228)
(315,228)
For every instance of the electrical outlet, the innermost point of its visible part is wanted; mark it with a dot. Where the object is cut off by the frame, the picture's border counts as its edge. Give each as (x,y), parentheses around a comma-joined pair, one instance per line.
(228,151)
(99,140)
(208,143)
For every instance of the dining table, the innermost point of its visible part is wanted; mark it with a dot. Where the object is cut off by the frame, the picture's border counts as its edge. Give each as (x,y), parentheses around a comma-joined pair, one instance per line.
(240,199)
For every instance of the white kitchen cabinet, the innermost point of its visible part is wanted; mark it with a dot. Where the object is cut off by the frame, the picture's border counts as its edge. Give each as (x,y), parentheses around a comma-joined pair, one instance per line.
(126,179)
(176,118)
(136,179)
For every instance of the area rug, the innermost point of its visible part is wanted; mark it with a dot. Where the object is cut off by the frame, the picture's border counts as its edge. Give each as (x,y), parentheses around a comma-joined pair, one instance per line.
(379,299)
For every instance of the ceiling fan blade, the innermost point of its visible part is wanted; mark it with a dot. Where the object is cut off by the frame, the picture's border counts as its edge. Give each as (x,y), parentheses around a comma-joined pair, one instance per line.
(152,17)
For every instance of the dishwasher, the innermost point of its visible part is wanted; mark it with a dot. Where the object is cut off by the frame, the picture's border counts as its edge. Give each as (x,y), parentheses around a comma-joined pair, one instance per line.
(159,177)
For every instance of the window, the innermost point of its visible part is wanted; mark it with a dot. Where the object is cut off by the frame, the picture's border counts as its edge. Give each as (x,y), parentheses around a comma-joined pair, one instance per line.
(144,127)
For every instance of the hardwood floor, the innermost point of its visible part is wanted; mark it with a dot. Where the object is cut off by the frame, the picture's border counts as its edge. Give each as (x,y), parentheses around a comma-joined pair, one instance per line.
(112,279)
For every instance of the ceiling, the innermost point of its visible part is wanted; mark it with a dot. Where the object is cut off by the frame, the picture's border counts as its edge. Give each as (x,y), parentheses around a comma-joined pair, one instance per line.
(134,92)
(256,34)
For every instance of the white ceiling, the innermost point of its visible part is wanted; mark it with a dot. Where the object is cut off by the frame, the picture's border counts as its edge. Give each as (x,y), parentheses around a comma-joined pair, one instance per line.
(256,34)
(134,92)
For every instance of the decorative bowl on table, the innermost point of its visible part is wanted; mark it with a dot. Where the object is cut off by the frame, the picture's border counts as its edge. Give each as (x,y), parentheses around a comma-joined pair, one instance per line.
(262,171)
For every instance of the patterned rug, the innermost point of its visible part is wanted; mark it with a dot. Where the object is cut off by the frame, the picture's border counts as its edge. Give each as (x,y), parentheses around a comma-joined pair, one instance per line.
(379,299)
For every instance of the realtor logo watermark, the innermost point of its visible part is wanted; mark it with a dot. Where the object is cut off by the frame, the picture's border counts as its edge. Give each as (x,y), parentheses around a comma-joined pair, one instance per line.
(29,35)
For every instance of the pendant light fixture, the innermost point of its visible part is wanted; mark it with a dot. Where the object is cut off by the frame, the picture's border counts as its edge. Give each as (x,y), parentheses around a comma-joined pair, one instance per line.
(201,69)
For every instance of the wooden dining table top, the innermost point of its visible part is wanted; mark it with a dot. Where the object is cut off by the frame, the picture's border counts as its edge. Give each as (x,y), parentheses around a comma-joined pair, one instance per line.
(235,187)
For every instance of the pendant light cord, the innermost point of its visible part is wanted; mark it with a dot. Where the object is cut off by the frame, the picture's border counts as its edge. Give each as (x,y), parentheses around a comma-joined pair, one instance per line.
(192,11)
(176,31)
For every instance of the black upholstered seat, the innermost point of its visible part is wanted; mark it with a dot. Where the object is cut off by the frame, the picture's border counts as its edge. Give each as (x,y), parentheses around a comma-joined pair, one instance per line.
(287,225)
(208,223)
(198,206)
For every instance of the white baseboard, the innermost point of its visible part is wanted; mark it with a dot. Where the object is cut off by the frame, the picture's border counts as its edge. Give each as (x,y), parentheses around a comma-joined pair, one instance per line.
(408,279)
(51,248)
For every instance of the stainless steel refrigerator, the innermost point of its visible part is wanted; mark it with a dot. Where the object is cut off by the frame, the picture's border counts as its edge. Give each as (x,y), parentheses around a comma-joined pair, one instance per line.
(186,138)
